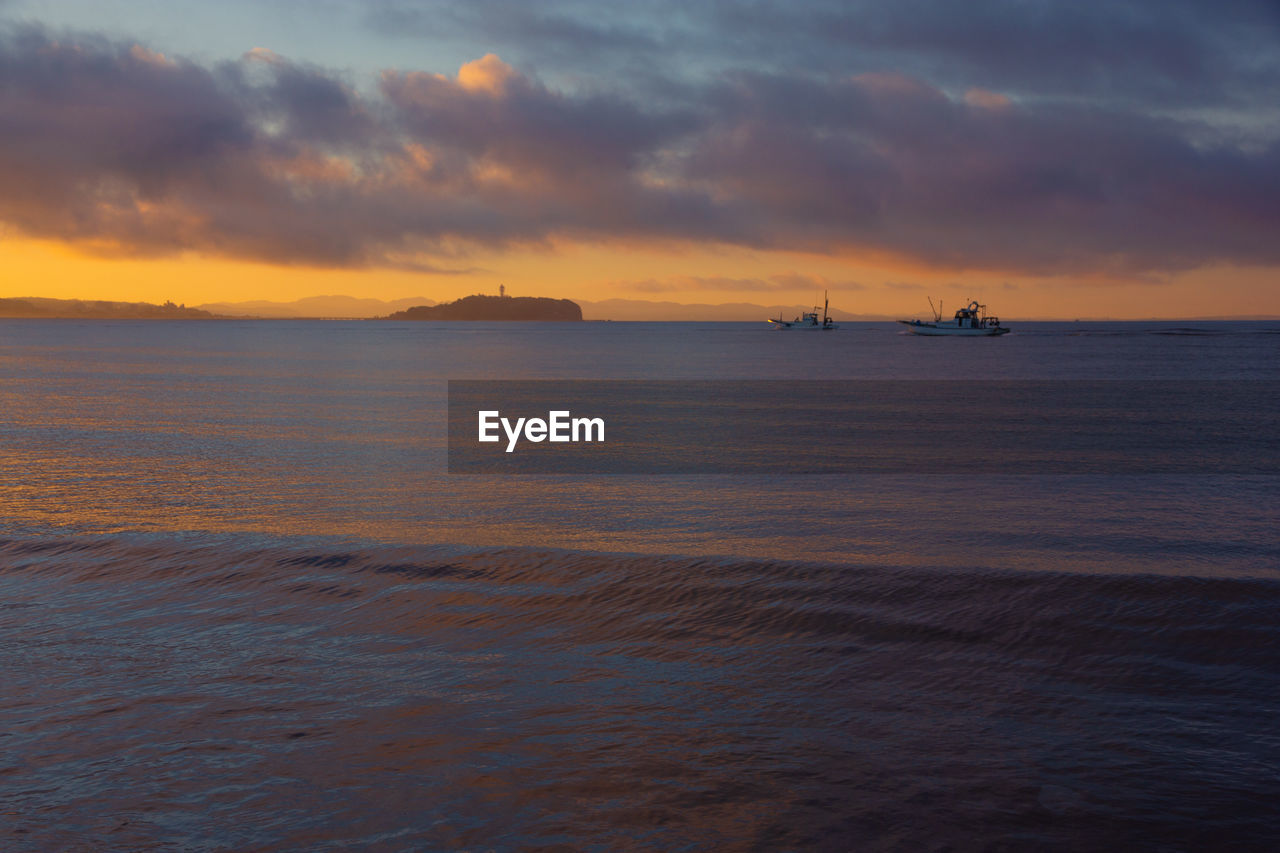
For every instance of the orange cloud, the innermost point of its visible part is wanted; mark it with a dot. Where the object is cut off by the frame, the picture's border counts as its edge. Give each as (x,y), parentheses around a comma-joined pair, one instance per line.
(487,74)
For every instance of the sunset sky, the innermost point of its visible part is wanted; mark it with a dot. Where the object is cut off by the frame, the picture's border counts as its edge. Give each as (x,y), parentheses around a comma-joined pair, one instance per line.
(1052,159)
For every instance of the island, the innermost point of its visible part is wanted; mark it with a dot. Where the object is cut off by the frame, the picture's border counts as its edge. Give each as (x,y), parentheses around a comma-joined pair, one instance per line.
(491,308)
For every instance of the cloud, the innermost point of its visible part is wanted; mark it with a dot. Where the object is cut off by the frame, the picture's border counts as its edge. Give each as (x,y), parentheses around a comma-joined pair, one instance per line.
(890,164)
(123,148)
(486,74)
(1176,52)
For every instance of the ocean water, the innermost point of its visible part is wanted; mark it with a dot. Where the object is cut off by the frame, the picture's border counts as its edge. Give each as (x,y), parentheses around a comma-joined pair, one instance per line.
(243,605)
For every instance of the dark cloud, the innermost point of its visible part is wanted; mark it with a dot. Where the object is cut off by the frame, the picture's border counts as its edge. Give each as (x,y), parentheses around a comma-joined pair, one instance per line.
(1176,53)
(123,149)
(120,147)
(86,125)
(308,102)
(886,162)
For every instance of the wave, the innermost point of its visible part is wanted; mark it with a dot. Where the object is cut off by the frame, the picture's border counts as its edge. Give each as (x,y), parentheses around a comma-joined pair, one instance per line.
(249,692)
(783,594)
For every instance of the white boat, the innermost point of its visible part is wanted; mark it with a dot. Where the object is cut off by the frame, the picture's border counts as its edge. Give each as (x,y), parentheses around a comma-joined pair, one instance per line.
(809,319)
(972,321)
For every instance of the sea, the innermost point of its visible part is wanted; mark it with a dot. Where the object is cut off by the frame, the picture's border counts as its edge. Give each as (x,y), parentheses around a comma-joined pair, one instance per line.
(245,603)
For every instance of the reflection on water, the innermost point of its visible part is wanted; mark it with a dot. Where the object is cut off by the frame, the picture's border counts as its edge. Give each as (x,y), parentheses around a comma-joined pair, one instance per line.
(243,607)
(229,692)
(340,428)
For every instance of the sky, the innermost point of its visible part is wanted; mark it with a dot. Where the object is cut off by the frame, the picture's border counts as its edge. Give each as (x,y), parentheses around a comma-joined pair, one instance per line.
(1052,159)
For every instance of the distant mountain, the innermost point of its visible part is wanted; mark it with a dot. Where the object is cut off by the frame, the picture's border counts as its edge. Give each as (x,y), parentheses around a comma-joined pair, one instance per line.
(317,306)
(642,310)
(496,308)
(38,306)
(343,307)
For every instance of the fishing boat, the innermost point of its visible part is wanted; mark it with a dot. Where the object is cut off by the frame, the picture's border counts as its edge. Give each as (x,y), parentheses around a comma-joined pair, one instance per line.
(809,319)
(971,321)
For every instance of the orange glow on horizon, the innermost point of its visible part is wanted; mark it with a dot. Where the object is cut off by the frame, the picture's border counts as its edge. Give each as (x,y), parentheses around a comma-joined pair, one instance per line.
(870,284)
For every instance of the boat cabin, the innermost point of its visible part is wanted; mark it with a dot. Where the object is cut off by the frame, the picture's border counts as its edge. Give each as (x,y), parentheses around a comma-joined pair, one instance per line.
(974,317)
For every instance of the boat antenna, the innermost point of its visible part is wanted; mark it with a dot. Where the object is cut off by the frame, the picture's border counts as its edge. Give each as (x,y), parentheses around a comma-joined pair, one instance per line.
(937,312)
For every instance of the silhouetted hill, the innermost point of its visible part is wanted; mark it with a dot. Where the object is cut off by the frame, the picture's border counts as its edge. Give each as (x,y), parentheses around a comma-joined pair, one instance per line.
(495,308)
(36,306)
